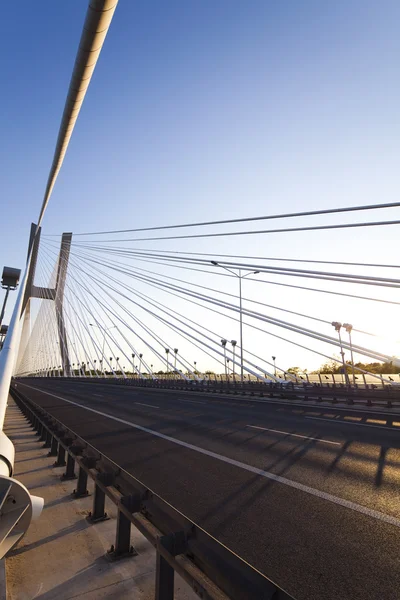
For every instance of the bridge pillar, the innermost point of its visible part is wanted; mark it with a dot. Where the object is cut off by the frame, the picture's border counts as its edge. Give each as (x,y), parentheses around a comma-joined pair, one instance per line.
(59,300)
(56,294)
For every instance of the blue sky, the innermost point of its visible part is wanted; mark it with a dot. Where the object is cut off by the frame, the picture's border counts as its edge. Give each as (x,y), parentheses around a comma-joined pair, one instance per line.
(202,110)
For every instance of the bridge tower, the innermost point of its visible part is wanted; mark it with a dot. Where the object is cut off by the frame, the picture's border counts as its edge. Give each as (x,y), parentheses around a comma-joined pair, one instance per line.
(55,294)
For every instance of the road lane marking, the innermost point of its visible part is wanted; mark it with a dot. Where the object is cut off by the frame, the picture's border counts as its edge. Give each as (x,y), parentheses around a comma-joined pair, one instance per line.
(305,437)
(379,516)
(387,427)
(149,405)
(191,401)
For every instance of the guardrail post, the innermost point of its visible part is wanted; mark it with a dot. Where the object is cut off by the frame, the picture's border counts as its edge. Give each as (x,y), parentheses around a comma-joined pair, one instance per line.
(164,579)
(123,545)
(54,447)
(174,543)
(81,487)
(48,439)
(42,433)
(60,462)
(98,513)
(70,470)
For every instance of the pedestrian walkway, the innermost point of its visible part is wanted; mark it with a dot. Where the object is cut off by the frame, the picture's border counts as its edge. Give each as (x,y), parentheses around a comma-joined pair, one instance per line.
(62,556)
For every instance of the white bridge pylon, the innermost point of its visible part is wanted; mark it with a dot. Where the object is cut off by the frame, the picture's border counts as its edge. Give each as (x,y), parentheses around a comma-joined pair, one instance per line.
(55,294)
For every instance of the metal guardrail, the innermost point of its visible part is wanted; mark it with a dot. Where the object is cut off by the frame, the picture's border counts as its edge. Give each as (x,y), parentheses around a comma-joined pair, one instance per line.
(212,570)
(387,396)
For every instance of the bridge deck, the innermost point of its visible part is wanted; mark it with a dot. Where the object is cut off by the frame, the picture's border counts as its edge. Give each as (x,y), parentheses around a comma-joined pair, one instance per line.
(308,496)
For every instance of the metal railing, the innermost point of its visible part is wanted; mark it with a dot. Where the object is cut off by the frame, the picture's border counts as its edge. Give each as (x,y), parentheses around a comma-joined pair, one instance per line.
(212,570)
(381,396)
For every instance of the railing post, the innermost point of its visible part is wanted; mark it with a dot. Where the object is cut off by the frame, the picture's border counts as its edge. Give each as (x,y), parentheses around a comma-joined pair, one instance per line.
(174,543)
(48,439)
(164,579)
(42,433)
(70,470)
(81,487)
(123,545)
(60,462)
(98,513)
(54,447)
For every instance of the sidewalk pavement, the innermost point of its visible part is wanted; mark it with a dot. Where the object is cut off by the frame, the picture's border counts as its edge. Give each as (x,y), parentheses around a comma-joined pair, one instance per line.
(62,556)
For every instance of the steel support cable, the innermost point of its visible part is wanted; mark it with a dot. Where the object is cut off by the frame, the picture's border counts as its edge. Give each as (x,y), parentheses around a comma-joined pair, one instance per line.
(98,19)
(50,331)
(79,332)
(220,353)
(164,344)
(80,335)
(248,219)
(31,353)
(167,312)
(277,336)
(292,286)
(258,231)
(272,258)
(130,329)
(46,324)
(111,266)
(145,327)
(135,318)
(325,275)
(80,321)
(46,332)
(191,369)
(327,339)
(274,321)
(206,328)
(188,334)
(112,338)
(171,313)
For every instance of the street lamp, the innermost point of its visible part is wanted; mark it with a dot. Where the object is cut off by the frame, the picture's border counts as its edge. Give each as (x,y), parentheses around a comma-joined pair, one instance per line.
(9,281)
(140,364)
(240,277)
(338,327)
(223,343)
(167,353)
(233,342)
(274,359)
(133,365)
(349,328)
(176,352)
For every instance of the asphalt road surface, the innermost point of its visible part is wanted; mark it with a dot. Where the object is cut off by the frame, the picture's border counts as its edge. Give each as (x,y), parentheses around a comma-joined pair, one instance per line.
(309,496)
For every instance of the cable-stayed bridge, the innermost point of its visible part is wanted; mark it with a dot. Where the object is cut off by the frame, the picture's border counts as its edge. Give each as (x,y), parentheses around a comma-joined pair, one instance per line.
(155,362)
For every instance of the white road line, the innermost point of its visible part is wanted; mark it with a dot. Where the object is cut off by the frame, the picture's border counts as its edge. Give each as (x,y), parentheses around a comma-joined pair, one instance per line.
(387,427)
(191,401)
(369,512)
(149,405)
(305,437)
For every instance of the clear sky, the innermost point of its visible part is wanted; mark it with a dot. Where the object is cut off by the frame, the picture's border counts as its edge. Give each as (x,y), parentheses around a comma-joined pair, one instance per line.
(211,109)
